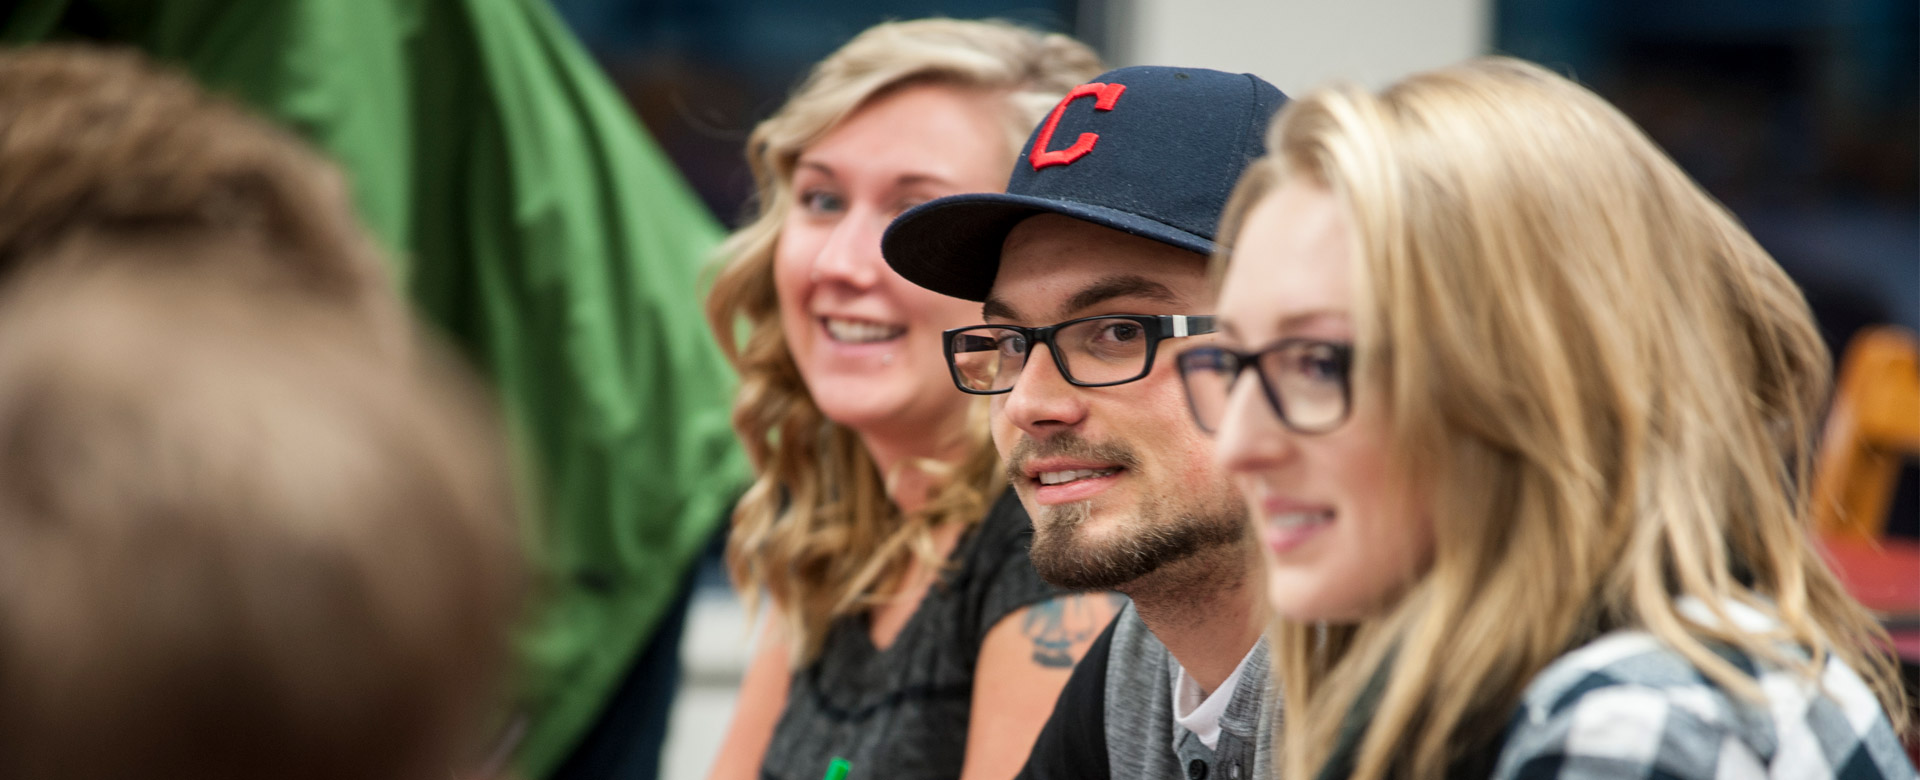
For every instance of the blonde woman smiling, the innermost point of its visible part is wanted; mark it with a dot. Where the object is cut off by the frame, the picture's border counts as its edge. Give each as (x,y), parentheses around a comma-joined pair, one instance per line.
(908,634)
(1523,418)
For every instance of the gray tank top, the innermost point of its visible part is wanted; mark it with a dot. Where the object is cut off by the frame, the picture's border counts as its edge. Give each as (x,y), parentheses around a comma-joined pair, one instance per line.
(902,713)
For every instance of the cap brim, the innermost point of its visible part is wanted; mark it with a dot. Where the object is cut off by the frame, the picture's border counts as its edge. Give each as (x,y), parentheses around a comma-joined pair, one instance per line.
(952,245)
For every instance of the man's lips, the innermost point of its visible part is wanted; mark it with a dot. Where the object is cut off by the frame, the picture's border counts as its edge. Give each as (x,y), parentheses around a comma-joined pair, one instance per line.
(1067,467)
(1061,481)
(1048,469)
(1063,477)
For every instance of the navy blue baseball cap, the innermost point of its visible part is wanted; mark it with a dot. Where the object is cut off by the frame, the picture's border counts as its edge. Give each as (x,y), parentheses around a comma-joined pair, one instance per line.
(1151,151)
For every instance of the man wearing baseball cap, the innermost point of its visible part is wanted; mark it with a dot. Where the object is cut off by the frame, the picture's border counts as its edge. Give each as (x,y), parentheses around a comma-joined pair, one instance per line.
(1091,270)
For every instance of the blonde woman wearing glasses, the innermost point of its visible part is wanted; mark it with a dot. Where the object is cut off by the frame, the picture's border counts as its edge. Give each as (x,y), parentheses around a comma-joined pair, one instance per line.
(1523,418)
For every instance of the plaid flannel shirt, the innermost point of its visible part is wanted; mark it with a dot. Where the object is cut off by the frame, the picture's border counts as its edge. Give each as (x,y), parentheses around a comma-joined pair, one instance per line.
(1626,705)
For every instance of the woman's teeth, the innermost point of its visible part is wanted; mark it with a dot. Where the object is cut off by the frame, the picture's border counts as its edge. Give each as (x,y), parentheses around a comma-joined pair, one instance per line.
(1299,519)
(860,331)
(1063,477)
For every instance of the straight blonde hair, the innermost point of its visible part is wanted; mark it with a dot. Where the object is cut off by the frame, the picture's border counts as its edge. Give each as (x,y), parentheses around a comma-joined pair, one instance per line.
(1605,384)
(816,529)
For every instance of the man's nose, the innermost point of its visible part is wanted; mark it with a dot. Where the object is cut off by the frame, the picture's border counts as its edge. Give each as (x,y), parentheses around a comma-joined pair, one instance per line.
(1042,400)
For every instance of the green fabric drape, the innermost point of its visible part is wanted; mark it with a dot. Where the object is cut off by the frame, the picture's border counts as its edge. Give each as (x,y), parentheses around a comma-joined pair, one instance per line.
(532,219)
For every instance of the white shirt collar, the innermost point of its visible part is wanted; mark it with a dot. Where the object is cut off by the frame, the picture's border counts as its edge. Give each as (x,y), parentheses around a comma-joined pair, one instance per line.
(1198,715)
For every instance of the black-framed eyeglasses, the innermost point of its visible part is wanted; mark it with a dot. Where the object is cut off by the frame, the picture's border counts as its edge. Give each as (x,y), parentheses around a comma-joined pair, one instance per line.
(1306,382)
(1090,352)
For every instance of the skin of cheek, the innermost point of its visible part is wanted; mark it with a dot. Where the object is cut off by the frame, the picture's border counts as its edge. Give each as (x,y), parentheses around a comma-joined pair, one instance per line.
(1382,540)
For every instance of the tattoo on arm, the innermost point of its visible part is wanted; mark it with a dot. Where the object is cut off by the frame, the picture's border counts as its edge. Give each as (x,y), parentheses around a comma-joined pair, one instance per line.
(1055,626)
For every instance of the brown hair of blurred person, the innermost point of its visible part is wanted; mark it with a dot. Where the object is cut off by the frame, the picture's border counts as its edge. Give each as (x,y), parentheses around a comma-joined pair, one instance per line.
(101,147)
(239,538)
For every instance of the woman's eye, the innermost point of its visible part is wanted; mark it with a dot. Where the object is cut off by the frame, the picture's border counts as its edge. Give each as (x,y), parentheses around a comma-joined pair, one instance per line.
(1323,363)
(822,202)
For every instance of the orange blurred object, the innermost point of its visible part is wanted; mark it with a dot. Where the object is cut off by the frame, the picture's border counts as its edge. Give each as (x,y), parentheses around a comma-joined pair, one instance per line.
(1873,426)
(1875,422)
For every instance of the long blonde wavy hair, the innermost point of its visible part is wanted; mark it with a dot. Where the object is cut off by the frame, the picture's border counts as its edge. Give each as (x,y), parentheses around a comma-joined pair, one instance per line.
(1605,385)
(817,529)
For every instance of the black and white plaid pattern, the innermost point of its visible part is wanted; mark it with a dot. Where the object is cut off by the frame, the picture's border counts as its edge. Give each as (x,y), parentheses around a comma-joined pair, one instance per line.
(1627,706)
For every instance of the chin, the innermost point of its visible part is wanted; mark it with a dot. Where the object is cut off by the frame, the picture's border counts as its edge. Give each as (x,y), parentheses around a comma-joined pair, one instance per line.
(1283,606)
(856,402)
(1076,523)
(1295,601)
(1317,611)
(1050,526)
(855,418)
(1062,526)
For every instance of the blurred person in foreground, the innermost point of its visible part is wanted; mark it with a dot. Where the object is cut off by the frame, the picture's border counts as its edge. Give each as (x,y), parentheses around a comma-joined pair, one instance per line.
(908,635)
(535,223)
(1095,257)
(241,536)
(1523,418)
(248,527)
(102,153)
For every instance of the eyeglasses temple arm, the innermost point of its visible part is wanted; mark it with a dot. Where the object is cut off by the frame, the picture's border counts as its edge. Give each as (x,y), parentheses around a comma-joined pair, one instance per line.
(1182,325)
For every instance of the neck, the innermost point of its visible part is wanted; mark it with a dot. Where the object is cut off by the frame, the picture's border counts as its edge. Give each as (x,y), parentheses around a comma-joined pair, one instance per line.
(1208,619)
(909,487)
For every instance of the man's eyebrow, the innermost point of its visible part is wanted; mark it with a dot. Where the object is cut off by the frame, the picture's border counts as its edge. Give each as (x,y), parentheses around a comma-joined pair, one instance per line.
(996,309)
(1124,286)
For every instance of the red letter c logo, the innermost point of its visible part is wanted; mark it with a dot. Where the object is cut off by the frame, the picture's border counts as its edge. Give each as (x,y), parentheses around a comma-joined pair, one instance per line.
(1105,95)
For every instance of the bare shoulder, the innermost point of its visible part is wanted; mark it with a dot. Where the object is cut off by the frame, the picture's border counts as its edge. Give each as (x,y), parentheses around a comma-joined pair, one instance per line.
(1062,628)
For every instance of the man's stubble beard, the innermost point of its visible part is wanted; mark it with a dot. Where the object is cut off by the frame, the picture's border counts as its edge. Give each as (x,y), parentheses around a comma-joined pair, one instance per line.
(1157,536)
